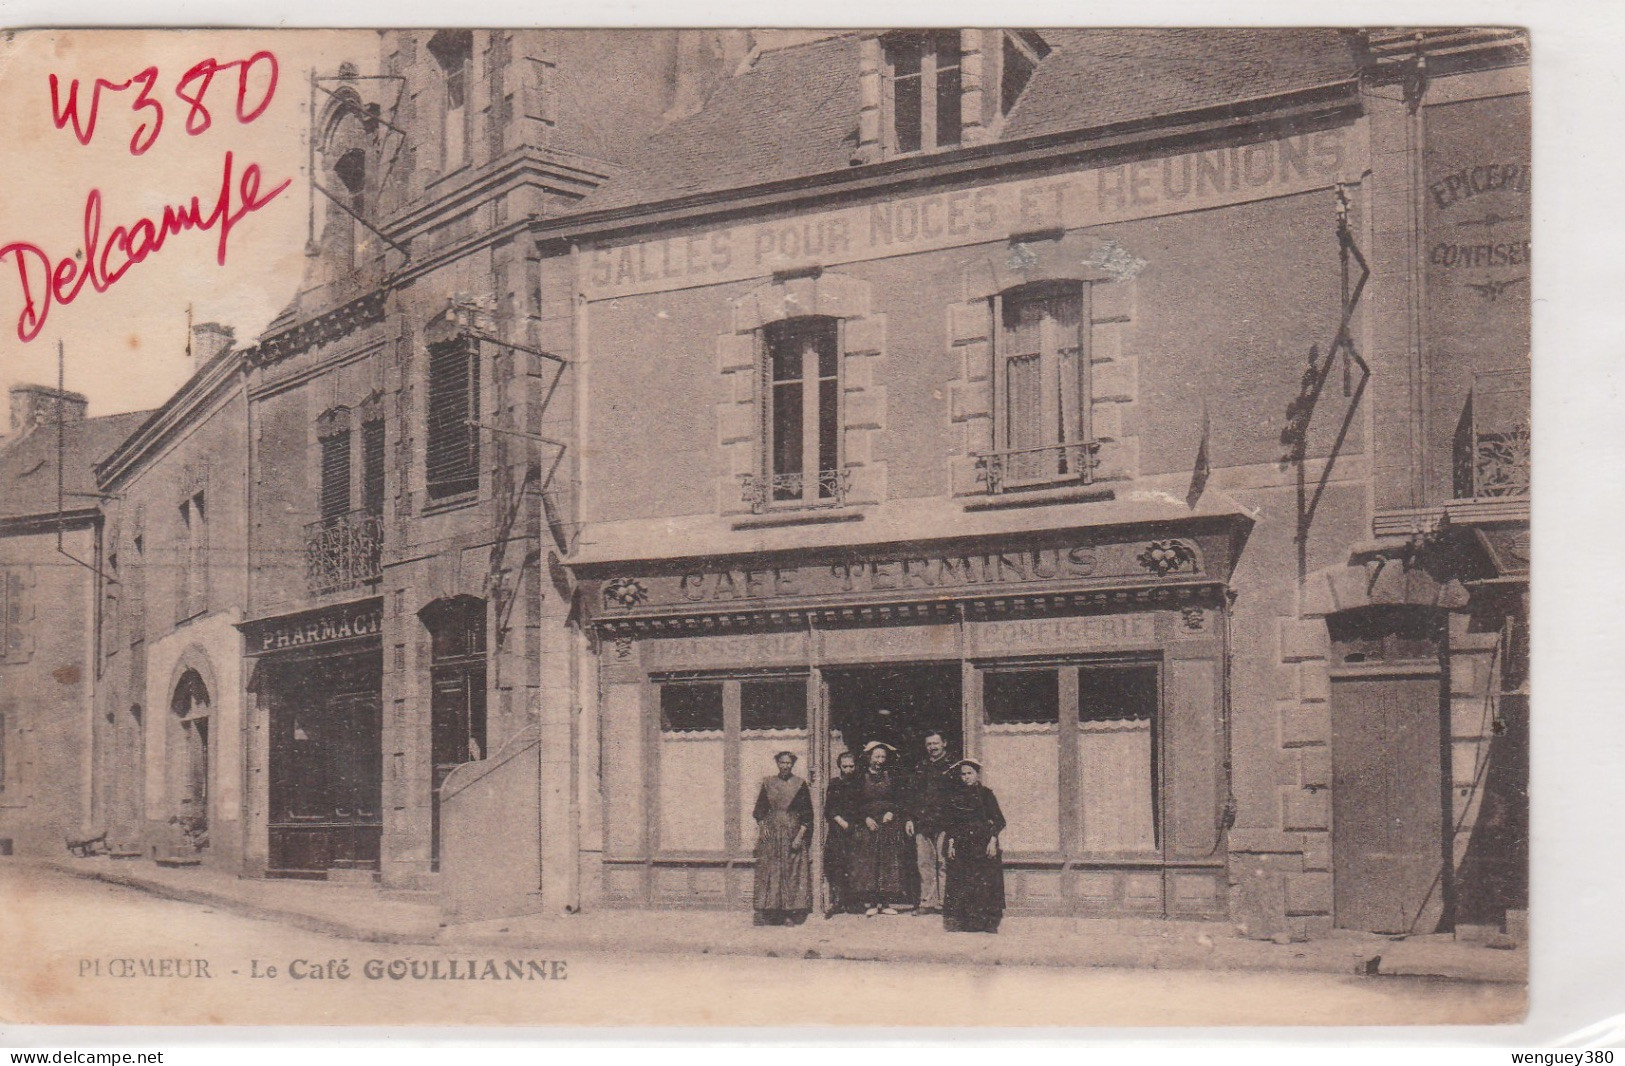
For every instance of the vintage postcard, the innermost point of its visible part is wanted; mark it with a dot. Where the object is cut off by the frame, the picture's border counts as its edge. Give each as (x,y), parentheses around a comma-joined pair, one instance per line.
(1028,526)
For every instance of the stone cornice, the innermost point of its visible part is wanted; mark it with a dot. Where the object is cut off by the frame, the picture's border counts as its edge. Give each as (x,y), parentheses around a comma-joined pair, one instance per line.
(320,329)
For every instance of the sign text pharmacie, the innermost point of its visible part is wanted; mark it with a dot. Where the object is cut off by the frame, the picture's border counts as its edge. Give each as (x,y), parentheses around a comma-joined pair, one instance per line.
(1144,188)
(334,624)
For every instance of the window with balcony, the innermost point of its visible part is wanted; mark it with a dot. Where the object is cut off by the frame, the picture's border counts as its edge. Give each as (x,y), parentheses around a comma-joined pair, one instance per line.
(923,106)
(454,406)
(1040,389)
(343,548)
(1492,456)
(801,409)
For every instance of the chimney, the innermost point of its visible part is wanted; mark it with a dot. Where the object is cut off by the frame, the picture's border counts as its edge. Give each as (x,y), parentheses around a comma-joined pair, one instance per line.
(38,405)
(209,339)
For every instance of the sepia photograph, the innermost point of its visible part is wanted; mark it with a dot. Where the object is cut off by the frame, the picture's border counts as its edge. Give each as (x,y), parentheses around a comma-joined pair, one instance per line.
(766,527)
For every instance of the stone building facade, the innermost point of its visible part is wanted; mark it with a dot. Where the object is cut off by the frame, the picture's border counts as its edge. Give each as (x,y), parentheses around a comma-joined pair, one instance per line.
(1144,411)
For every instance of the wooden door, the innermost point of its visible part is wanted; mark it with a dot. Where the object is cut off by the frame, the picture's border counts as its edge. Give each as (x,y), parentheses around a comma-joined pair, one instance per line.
(1387,805)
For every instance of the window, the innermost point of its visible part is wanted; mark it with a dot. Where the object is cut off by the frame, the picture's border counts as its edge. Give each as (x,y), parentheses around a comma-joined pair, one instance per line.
(457,714)
(351,171)
(135,591)
(924,99)
(773,704)
(691,707)
(454,403)
(454,51)
(1114,786)
(13,636)
(1117,758)
(115,592)
(1020,696)
(192,594)
(1021,56)
(802,410)
(1041,387)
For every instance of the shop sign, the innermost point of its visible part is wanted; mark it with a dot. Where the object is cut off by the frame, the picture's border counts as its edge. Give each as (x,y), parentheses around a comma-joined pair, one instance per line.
(339,623)
(1144,188)
(756,649)
(902,578)
(1026,636)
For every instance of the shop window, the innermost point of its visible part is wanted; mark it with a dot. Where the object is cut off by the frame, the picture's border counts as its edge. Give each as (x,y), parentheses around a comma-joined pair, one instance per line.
(1020,57)
(691,707)
(457,723)
(1012,697)
(1114,787)
(454,404)
(453,50)
(1117,758)
(923,90)
(802,412)
(773,704)
(1041,388)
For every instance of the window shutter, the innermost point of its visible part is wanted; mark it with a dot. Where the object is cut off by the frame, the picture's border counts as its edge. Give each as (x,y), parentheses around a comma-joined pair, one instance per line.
(11,613)
(454,401)
(372,466)
(335,501)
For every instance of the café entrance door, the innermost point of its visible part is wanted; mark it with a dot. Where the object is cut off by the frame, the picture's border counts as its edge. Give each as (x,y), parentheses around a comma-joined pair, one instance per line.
(897,704)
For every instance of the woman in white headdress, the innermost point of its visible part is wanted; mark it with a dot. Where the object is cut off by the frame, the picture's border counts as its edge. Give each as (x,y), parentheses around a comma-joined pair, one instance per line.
(973,901)
(878,872)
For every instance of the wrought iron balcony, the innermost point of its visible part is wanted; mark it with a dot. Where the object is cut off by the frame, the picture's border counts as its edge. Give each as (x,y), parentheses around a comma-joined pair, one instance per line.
(821,488)
(1053,464)
(344,551)
(1492,439)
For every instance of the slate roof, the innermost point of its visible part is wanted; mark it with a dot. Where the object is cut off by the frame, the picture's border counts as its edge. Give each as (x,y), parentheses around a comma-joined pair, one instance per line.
(794,113)
(28,463)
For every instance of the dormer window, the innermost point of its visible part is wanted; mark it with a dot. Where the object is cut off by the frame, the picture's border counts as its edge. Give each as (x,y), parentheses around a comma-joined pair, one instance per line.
(1022,53)
(923,90)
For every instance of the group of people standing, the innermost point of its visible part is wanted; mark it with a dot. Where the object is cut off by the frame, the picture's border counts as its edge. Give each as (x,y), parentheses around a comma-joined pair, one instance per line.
(926,841)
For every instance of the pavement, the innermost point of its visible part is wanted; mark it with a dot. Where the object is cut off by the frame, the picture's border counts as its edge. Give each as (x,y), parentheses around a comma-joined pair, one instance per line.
(369,913)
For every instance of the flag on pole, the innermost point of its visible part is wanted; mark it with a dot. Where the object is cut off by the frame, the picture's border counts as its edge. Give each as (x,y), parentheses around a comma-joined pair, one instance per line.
(1204,464)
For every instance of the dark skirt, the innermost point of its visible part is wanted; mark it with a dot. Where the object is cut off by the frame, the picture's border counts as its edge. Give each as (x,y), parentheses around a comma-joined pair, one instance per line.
(783,874)
(877,870)
(973,899)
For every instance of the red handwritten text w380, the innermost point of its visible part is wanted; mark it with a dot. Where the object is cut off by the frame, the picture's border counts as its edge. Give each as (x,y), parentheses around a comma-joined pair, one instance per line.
(191,90)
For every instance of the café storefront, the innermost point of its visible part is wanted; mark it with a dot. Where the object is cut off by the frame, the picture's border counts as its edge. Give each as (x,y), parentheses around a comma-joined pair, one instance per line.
(315,682)
(1084,668)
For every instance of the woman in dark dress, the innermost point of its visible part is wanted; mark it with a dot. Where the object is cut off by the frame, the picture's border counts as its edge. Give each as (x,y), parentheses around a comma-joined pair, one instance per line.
(840,814)
(877,876)
(783,827)
(973,901)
